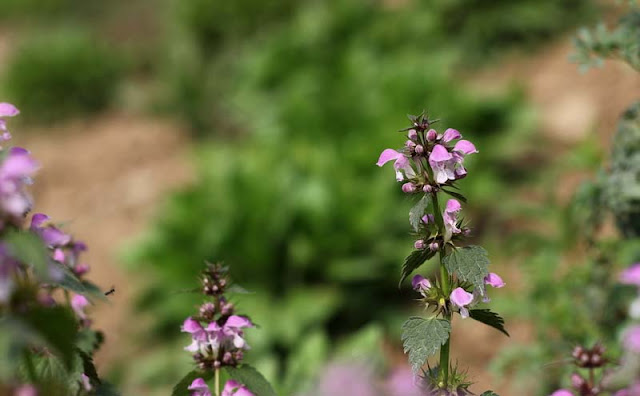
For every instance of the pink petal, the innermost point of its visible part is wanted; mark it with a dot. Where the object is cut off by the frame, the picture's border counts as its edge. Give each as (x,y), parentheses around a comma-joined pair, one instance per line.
(453,206)
(562,392)
(199,384)
(388,155)
(238,321)
(450,134)
(191,326)
(8,110)
(465,147)
(420,282)
(631,276)
(38,219)
(494,280)
(460,297)
(439,154)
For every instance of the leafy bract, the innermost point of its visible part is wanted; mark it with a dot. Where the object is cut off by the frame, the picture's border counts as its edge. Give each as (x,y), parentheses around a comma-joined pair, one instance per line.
(422,338)
(252,379)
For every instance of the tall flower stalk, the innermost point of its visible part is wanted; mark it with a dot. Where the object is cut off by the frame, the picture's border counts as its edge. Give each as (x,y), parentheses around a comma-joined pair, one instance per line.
(428,166)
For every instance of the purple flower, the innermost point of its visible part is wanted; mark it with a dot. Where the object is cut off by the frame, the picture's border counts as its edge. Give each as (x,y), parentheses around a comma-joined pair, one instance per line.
(631,276)
(450,134)
(78,303)
(562,392)
(631,339)
(50,234)
(199,388)
(408,188)
(412,134)
(15,172)
(460,298)
(442,163)
(401,163)
(232,328)
(26,390)
(402,382)
(86,382)
(433,246)
(428,218)
(450,218)
(494,280)
(419,244)
(8,110)
(347,379)
(432,135)
(420,284)
(233,388)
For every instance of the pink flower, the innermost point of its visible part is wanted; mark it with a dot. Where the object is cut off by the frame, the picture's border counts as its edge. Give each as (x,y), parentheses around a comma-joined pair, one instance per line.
(420,284)
(631,339)
(50,234)
(402,382)
(86,382)
(233,388)
(78,303)
(401,163)
(494,280)
(450,218)
(460,298)
(199,388)
(442,163)
(26,390)
(562,392)
(631,276)
(15,173)
(8,110)
(450,134)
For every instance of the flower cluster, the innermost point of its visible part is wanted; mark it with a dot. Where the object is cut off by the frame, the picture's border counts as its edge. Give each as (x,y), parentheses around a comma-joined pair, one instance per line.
(217,334)
(38,259)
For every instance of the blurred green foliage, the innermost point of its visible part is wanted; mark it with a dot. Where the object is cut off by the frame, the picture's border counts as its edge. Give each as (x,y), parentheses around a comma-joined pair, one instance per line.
(288,193)
(60,74)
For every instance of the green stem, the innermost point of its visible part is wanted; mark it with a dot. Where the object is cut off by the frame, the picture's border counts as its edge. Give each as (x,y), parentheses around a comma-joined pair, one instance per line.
(217,382)
(445,283)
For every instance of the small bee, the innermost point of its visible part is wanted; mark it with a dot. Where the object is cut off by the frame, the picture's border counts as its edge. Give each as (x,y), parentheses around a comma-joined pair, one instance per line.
(110,292)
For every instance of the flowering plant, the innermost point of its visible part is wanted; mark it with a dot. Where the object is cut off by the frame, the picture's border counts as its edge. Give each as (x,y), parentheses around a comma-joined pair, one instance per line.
(46,339)
(429,165)
(217,342)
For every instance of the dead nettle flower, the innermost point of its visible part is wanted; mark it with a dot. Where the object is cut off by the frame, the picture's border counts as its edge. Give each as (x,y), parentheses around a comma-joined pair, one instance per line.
(217,336)
(589,359)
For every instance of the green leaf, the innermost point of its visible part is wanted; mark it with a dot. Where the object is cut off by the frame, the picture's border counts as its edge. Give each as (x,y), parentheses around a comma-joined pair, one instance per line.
(489,393)
(57,326)
(29,249)
(252,379)
(89,341)
(489,318)
(106,389)
(422,338)
(415,260)
(88,367)
(456,195)
(181,388)
(71,282)
(416,213)
(469,264)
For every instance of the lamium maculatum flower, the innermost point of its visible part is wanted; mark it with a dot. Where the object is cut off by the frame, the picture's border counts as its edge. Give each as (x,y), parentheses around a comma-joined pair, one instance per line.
(460,299)
(494,280)
(234,388)
(199,388)
(15,173)
(450,218)
(401,163)
(420,284)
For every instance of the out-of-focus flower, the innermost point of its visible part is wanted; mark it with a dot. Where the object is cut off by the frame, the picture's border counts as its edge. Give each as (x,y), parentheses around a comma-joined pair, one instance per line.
(233,388)
(347,379)
(562,392)
(78,303)
(460,298)
(50,234)
(86,382)
(401,164)
(26,390)
(494,280)
(6,110)
(631,276)
(15,173)
(631,339)
(402,382)
(199,388)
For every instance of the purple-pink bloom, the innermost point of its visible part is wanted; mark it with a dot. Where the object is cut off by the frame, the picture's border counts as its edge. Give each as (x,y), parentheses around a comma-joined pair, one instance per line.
(420,284)
(442,163)
(86,382)
(78,303)
(419,244)
(347,379)
(50,234)
(199,388)
(402,382)
(15,172)
(562,392)
(465,147)
(401,163)
(450,218)
(233,388)
(8,110)
(460,298)
(450,134)
(428,218)
(494,280)
(631,339)
(432,135)
(631,276)
(408,188)
(26,390)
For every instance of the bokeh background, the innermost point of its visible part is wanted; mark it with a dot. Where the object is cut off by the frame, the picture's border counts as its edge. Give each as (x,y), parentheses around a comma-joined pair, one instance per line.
(176,131)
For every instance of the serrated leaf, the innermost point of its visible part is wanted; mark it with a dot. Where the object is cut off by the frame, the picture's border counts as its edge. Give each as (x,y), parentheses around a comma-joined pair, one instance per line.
(416,213)
(469,264)
(182,387)
(57,326)
(489,318)
(414,261)
(422,338)
(456,195)
(252,379)
(89,341)
(29,249)
(88,367)
(71,282)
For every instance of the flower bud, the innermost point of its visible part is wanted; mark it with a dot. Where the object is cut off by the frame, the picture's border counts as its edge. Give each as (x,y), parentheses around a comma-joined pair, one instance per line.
(413,135)
(207,310)
(427,188)
(419,244)
(419,149)
(577,381)
(433,246)
(460,173)
(410,144)
(432,135)
(227,309)
(409,188)
(428,218)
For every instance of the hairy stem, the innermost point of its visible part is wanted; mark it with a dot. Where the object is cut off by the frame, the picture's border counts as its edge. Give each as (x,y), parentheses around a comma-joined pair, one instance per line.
(446,289)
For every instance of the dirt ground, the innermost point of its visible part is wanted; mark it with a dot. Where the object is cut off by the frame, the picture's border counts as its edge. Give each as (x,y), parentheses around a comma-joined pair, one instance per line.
(107,176)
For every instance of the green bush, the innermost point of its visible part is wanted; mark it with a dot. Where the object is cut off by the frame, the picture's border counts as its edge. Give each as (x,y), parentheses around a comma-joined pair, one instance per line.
(62,74)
